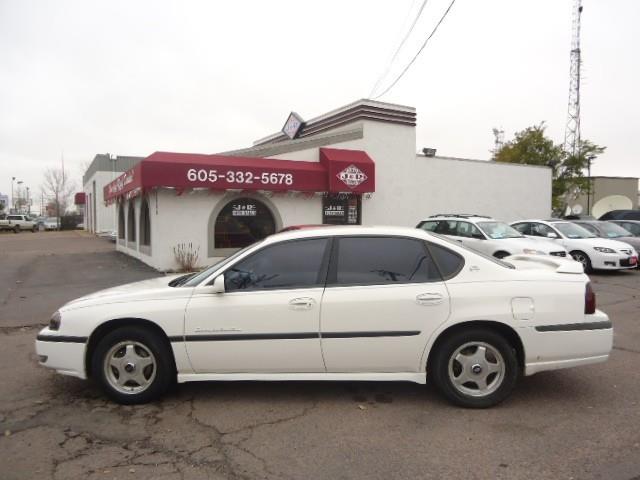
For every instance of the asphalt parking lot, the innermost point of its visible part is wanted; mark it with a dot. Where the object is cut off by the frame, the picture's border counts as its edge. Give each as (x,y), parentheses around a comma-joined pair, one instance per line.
(582,423)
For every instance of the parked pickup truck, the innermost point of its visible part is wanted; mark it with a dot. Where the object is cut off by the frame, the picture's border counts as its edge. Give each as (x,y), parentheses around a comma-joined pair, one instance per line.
(17,223)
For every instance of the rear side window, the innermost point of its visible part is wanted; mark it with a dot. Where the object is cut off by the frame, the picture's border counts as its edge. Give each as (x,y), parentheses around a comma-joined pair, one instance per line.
(382,260)
(524,228)
(429,226)
(449,263)
(287,265)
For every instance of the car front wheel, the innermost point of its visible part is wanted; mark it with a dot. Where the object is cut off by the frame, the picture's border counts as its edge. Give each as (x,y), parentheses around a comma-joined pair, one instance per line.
(475,368)
(584,259)
(133,365)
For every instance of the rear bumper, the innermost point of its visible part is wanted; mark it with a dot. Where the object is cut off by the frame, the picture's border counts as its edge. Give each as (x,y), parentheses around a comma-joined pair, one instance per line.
(552,347)
(63,354)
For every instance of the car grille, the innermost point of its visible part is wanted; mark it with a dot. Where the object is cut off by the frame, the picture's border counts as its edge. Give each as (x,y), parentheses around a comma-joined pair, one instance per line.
(558,254)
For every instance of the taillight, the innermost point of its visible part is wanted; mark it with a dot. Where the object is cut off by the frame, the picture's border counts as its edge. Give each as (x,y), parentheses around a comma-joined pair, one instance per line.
(589,300)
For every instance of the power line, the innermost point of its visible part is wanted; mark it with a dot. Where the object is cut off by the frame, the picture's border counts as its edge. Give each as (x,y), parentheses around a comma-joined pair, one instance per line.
(419,51)
(395,54)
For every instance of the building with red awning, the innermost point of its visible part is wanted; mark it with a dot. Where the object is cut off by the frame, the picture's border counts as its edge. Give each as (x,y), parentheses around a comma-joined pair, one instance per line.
(354,165)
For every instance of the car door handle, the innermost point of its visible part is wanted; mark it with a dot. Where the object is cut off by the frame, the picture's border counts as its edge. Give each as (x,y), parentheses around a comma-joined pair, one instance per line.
(429,299)
(302,303)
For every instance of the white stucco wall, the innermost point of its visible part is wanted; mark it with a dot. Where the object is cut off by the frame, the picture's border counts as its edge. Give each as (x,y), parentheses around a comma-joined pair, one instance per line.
(104,215)
(185,219)
(409,187)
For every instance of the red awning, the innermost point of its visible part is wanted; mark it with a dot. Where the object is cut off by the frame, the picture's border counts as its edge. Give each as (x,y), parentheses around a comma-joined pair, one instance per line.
(338,171)
(79,198)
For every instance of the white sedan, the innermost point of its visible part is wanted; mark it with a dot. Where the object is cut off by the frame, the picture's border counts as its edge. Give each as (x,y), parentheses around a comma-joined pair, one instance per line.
(585,247)
(337,303)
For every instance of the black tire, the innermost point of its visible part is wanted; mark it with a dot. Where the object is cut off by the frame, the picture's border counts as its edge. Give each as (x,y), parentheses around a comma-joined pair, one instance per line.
(584,259)
(164,367)
(501,254)
(505,381)
(34,229)
(16,229)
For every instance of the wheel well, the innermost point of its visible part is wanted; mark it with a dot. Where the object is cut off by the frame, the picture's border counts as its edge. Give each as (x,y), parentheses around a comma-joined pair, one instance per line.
(505,330)
(108,327)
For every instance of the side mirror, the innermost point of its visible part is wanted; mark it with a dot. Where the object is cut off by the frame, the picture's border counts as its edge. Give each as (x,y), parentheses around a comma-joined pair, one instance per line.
(218,284)
(216,288)
(551,235)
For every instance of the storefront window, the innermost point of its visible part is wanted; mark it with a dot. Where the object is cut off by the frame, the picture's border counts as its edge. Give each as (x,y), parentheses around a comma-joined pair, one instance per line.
(145,224)
(342,209)
(121,221)
(131,223)
(242,222)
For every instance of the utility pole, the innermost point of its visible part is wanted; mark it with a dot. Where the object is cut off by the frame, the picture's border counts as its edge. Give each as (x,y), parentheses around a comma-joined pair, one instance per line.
(572,129)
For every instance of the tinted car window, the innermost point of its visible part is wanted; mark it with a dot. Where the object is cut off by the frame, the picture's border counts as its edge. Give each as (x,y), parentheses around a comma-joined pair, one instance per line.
(469,230)
(591,228)
(429,226)
(634,228)
(523,228)
(541,230)
(449,263)
(295,264)
(383,260)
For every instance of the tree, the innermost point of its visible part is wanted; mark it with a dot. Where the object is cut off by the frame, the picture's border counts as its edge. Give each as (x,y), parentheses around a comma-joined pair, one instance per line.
(59,188)
(532,147)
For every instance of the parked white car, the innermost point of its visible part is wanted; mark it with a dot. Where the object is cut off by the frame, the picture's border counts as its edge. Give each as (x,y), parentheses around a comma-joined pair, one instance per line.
(489,236)
(51,223)
(17,223)
(337,303)
(594,253)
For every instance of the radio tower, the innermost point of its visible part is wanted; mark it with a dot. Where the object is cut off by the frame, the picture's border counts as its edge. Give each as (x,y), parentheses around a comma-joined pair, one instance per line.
(572,130)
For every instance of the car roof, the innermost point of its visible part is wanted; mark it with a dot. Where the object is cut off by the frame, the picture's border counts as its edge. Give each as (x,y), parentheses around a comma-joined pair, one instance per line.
(349,230)
(458,217)
(540,220)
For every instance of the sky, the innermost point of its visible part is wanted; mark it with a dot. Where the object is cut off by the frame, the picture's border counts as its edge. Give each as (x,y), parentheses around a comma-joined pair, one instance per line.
(81,77)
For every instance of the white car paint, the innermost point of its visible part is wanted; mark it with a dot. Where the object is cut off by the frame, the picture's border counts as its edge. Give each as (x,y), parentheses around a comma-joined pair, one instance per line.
(616,255)
(541,292)
(500,247)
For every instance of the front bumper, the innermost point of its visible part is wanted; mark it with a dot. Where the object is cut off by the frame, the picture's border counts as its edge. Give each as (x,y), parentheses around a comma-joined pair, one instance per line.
(552,347)
(614,261)
(62,353)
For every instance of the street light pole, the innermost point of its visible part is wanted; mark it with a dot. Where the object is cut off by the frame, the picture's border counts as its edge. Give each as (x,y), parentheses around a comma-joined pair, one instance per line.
(20,182)
(13,200)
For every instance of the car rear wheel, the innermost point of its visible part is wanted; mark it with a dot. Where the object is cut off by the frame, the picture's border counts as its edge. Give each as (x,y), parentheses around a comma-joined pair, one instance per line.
(584,259)
(16,229)
(133,365)
(475,368)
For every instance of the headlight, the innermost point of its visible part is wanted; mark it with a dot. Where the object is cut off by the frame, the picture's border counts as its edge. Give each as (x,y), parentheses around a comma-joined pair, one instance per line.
(530,251)
(54,323)
(604,250)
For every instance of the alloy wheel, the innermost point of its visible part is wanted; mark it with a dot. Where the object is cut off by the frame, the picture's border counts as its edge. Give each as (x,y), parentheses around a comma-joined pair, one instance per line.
(476,369)
(130,367)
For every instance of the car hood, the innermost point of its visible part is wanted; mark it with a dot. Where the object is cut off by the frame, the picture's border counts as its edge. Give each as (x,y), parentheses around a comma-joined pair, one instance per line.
(143,290)
(602,242)
(541,244)
(633,241)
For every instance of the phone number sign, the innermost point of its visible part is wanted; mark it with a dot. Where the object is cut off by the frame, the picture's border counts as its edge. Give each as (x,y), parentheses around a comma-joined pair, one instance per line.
(239,177)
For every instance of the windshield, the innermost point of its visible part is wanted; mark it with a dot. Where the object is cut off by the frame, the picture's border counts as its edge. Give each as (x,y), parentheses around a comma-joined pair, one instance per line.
(499,230)
(571,230)
(194,279)
(611,230)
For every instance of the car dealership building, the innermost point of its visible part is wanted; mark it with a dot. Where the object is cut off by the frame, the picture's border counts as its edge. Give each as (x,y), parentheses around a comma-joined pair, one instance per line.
(354,165)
